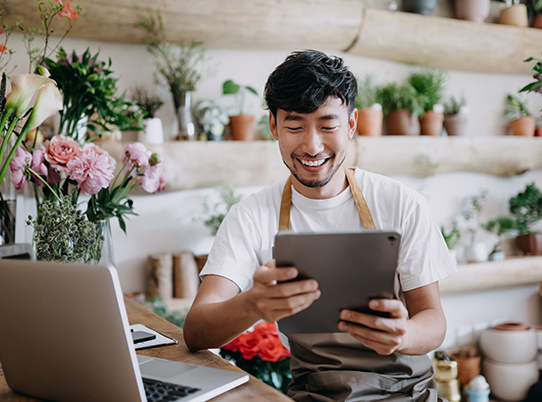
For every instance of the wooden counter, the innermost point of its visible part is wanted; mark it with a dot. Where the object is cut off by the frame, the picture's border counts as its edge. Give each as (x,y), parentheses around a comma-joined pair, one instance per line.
(254,390)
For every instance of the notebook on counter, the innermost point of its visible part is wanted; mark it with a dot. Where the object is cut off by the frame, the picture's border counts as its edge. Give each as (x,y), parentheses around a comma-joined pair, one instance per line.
(65,337)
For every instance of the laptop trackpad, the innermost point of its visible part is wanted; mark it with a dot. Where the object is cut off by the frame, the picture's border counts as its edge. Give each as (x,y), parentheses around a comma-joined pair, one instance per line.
(163,369)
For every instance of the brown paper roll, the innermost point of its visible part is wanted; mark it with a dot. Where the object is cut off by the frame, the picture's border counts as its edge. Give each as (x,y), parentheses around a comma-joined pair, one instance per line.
(185,275)
(160,276)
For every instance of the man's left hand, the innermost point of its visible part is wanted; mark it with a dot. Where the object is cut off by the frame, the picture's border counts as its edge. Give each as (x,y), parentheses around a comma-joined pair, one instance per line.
(383,335)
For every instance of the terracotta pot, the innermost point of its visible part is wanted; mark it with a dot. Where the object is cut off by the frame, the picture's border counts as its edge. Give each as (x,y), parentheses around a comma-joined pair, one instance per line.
(423,7)
(431,123)
(530,244)
(401,122)
(538,130)
(515,15)
(370,122)
(468,364)
(524,126)
(537,22)
(456,125)
(242,127)
(472,10)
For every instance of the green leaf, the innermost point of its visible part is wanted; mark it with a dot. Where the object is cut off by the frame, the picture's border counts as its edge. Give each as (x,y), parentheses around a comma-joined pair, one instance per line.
(230,88)
(250,89)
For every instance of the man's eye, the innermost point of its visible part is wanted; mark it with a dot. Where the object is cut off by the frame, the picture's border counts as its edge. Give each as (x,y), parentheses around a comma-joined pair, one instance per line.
(293,128)
(329,128)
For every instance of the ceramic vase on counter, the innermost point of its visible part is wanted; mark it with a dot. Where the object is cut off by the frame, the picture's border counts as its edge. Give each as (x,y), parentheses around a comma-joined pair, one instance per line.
(510,365)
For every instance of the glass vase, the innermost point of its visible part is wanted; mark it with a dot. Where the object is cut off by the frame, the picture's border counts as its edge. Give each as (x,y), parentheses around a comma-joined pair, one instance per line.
(8,204)
(104,251)
(183,111)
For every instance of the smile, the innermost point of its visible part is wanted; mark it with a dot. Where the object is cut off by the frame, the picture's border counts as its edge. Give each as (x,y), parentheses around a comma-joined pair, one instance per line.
(312,163)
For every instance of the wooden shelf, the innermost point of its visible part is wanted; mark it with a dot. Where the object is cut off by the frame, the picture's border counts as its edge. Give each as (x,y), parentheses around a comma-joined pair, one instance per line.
(332,25)
(517,271)
(199,164)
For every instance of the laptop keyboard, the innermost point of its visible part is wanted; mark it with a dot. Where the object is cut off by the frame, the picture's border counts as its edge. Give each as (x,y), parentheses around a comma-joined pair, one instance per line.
(164,391)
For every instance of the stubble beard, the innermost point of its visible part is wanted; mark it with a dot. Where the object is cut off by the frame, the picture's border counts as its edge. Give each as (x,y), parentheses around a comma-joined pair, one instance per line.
(314,183)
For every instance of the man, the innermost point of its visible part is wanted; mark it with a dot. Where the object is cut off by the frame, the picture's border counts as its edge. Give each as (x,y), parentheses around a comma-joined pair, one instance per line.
(312,116)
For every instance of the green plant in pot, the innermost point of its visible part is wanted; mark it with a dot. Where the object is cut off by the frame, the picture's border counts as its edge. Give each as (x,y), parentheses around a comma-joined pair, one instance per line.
(526,207)
(429,84)
(370,114)
(499,226)
(401,107)
(521,121)
(241,124)
(475,250)
(452,238)
(455,116)
(534,8)
(149,104)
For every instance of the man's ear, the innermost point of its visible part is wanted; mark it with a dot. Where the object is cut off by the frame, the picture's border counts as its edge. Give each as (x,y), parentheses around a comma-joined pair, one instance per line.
(273,126)
(352,123)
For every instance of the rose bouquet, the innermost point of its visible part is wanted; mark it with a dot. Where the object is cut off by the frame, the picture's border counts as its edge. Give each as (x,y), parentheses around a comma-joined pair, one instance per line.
(260,353)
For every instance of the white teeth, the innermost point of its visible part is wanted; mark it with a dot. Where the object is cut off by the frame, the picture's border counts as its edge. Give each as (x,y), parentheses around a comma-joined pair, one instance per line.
(313,163)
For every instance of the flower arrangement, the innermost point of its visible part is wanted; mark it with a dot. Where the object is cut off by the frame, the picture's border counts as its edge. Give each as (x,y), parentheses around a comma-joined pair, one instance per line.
(148,103)
(260,353)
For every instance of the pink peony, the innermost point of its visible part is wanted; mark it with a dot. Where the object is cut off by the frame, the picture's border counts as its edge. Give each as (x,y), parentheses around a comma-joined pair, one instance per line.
(91,146)
(38,166)
(153,179)
(17,166)
(137,153)
(91,171)
(60,150)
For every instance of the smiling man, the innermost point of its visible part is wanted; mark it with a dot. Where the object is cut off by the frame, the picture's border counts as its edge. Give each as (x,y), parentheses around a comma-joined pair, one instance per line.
(312,116)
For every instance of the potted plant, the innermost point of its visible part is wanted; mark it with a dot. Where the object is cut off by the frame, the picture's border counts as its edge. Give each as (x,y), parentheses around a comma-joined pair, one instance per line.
(423,7)
(475,251)
(452,238)
(429,84)
(241,125)
(526,207)
(149,104)
(499,226)
(455,116)
(514,14)
(369,108)
(534,8)
(472,10)
(211,118)
(401,107)
(521,121)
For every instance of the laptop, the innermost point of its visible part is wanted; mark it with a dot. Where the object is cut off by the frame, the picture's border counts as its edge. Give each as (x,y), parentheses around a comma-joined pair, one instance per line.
(64,336)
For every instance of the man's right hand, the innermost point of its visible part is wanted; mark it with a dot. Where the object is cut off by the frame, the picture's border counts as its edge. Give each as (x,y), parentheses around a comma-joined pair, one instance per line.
(274,298)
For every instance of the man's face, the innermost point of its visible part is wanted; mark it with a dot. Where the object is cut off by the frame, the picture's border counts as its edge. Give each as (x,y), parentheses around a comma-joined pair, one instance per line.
(313,146)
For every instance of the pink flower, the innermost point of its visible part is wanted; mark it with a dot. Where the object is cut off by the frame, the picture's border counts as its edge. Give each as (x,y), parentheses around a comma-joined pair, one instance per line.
(17,167)
(38,166)
(137,154)
(91,171)
(93,147)
(153,179)
(60,150)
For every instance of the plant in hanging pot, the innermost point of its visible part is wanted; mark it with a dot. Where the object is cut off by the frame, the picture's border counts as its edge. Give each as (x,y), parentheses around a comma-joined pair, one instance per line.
(472,10)
(401,108)
(526,207)
(423,7)
(500,227)
(456,116)
(149,104)
(521,121)
(178,66)
(534,8)
(370,113)
(241,125)
(429,84)
(514,13)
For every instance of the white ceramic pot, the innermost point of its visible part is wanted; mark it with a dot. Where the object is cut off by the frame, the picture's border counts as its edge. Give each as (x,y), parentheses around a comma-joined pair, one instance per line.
(509,347)
(510,382)
(476,253)
(153,133)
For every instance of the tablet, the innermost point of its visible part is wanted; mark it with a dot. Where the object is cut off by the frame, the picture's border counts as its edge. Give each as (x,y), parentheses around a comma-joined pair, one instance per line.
(351,268)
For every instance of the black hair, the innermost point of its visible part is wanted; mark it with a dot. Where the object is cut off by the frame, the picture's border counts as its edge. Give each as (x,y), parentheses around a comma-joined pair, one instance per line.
(304,81)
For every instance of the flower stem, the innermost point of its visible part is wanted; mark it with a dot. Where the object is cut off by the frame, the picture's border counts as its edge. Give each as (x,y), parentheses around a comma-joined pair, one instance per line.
(5,142)
(43,181)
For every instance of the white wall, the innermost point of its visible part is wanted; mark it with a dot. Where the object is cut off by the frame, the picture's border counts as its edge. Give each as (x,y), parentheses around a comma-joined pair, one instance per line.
(169,222)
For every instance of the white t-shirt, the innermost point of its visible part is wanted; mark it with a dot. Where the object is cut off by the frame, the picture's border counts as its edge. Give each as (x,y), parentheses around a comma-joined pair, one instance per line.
(245,239)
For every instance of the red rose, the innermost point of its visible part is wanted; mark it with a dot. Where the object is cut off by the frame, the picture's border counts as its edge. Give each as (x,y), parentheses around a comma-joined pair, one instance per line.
(271,349)
(249,345)
(233,345)
(265,329)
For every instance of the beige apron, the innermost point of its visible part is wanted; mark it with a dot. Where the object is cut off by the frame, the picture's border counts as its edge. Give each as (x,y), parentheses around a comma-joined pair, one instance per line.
(336,367)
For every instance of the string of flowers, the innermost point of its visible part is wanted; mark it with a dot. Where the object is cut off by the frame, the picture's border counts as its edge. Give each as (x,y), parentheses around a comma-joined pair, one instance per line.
(261,353)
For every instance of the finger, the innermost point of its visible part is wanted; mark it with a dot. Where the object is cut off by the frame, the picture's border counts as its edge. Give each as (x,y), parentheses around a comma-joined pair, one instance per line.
(288,289)
(271,276)
(286,307)
(383,324)
(394,307)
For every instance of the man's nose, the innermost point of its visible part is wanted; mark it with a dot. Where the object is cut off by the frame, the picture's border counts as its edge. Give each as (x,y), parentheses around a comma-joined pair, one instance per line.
(312,142)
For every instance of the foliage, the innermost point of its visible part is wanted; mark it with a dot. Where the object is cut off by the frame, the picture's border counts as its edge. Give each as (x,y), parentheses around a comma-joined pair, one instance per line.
(177,65)
(452,237)
(217,213)
(429,84)
(89,90)
(239,91)
(157,306)
(400,97)
(367,93)
(453,105)
(260,353)
(6,31)
(535,86)
(526,206)
(515,108)
(211,117)
(62,233)
(146,102)
(472,211)
(534,7)
(500,226)
(48,11)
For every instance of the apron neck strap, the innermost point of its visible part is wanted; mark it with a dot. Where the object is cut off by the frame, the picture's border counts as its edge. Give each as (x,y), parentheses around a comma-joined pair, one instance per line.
(359,199)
